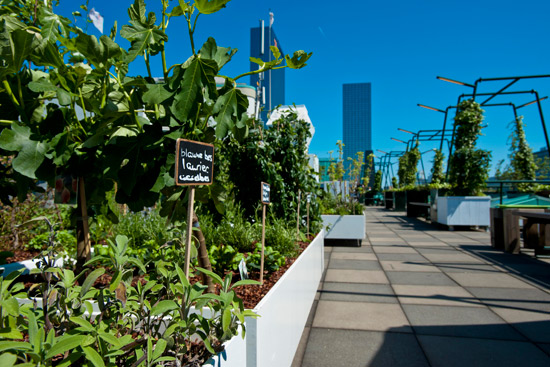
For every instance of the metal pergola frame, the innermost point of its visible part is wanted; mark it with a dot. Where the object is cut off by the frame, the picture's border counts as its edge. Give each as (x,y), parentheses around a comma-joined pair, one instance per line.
(502,91)
(386,164)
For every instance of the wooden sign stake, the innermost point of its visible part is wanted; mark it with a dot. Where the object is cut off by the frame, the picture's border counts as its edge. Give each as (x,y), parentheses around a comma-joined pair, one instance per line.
(298,217)
(194,166)
(307,216)
(85,226)
(265,199)
(263,245)
(189,230)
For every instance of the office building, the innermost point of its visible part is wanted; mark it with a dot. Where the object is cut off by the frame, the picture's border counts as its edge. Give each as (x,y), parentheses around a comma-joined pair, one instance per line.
(271,84)
(357,123)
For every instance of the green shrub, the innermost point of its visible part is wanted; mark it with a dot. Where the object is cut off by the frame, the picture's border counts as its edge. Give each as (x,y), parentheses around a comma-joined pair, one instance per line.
(280,237)
(224,258)
(273,260)
(146,230)
(64,241)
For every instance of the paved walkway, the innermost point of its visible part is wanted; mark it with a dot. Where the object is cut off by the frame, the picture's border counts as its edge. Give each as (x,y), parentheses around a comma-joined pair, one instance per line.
(416,295)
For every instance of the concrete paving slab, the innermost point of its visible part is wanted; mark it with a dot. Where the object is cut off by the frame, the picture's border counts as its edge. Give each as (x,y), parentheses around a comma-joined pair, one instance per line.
(534,325)
(354,256)
(300,351)
(352,348)
(544,347)
(428,244)
(457,257)
(408,266)
(518,299)
(394,249)
(362,249)
(435,295)
(401,257)
(419,278)
(466,268)
(358,292)
(471,322)
(361,316)
(493,280)
(356,276)
(459,352)
(441,250)
(354,264)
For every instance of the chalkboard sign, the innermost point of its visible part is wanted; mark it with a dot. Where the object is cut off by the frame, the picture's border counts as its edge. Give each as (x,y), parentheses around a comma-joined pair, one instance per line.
(265,193)
(194,163)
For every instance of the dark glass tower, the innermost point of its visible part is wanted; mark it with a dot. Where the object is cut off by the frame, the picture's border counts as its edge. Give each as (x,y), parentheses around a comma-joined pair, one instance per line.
(271,83)
(357,123)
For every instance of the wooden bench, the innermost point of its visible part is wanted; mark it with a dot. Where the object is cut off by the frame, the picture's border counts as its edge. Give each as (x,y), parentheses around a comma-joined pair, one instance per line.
(505,227)
(418,209)
(534,230)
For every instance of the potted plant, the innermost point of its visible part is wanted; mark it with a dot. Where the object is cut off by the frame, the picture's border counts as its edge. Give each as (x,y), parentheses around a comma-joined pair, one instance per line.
(466,204)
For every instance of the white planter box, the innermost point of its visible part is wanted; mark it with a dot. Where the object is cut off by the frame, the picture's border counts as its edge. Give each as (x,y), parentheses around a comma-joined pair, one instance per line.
(344,227)
(464,210)
(272,338)
(28,265)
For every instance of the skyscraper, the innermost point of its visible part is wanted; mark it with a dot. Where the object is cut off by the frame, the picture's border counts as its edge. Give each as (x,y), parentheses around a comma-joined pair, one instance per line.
(270,85)
(357,119)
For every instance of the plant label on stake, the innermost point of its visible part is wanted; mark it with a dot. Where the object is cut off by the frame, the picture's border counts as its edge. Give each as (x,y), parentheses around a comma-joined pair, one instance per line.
(265,201)
(266,190)
(307,216)
(194,166)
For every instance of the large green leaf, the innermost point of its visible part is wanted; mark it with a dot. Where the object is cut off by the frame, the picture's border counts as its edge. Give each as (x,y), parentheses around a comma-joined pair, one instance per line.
(210,6)
(228,109)
(52,24)
(156,93)
(98,53)
(94,357)
(136,11)
(7,359)
(30,152)
(15,47)
(185,99)
(163,307)
(222,55)
(143,36)
(64,344)
(298,60)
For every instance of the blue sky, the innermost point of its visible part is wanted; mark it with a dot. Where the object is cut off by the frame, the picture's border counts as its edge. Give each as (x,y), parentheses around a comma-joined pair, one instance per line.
(399,46)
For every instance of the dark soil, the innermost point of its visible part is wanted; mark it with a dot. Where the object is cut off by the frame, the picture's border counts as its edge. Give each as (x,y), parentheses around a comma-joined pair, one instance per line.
(20,255)
(250,294)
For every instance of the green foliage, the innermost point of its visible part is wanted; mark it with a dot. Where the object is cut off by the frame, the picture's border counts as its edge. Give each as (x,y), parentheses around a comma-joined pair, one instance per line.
(377,186)
(279,157)
(469,167)
(146,231)
(148,324)
(15,237)
(438,176)
(280,236)
(522,162)
(127,132)
(224,258)
(408,163)
(64,241)
(273,260)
